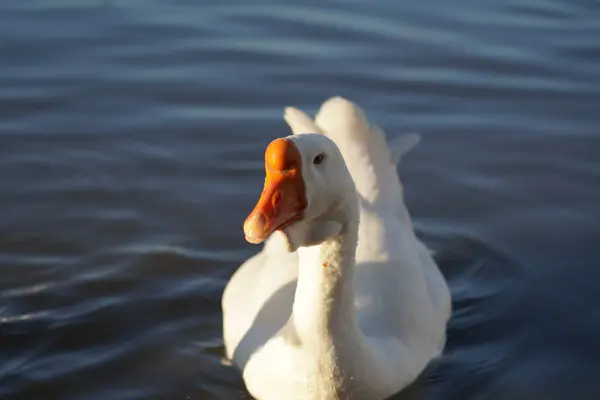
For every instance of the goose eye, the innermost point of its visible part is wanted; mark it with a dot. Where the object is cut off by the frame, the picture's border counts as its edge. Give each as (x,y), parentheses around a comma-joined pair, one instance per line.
(318,159)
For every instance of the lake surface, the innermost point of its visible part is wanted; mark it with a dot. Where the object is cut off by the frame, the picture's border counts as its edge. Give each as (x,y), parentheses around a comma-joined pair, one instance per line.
(131,143)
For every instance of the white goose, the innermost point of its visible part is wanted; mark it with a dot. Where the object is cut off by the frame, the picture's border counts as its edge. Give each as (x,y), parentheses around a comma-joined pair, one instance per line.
(347,322)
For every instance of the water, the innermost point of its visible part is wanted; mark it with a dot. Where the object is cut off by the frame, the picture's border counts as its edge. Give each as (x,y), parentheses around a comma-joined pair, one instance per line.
(131,140)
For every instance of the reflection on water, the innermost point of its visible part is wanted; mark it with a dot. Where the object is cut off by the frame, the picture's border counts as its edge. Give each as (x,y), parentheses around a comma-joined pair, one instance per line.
(131,140)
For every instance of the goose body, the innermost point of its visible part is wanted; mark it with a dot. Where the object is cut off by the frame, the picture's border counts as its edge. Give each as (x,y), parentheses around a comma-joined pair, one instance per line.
(356,312)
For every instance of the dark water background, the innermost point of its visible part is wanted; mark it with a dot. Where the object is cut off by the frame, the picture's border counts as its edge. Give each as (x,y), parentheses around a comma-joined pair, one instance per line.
(131,142)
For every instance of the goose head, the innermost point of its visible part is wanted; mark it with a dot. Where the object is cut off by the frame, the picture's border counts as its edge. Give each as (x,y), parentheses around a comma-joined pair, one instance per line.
(306,187)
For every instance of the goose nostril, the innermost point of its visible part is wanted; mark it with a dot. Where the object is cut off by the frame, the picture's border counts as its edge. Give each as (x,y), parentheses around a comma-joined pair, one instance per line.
(276,199)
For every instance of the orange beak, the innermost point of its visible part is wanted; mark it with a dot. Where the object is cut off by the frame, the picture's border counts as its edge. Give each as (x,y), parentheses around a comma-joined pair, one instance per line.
(283,199)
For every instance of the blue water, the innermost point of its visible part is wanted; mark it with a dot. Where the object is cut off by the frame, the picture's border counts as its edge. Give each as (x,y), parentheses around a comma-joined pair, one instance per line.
(131,142)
